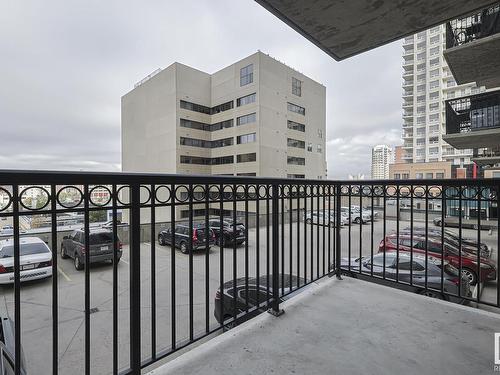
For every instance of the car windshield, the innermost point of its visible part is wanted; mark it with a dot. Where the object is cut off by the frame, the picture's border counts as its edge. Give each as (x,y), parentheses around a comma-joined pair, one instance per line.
(99,238)
(26,249)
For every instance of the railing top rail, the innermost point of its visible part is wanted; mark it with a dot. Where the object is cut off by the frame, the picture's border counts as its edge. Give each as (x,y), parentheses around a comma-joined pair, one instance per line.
(30,177)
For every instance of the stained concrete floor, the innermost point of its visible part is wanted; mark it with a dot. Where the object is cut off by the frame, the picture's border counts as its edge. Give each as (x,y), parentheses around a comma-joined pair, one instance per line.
(351,327)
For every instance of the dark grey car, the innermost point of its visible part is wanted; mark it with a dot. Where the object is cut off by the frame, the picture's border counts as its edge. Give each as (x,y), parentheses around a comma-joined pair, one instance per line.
(100,247)
(408,270)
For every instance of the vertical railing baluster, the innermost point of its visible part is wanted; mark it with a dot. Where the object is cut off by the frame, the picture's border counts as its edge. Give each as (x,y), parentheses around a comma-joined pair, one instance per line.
(153,271)
(478,200)
(135,279)
(275,309)
(87,277)
(190,276)
(115,279)
(338,239)
(235,294)
(173,326)
(55,307)
(17,280)
(207,259)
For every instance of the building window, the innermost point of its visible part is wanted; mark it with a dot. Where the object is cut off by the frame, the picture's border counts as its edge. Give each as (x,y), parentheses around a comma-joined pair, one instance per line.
(421,120)
(293,175)
(434,62)
(434,51)
(194,125)
(439,175)
(319,149)
(221,108)
(421,110)
(296,87)
(434,84)
(434,117)
(247,174)
(222,142)
(222,125)
(433,106)
(397,176)
(245,158)
(245,100)
(246,138)
(419,176)
(434,73)
(246,119)
(433,150)
(295,143)
(309,147)
(246,75)
(434,95)
(421,88)
(296,126)
(297,109)
(206,161)
(195,107)
(296,161)
(420,141)
(429,175)
(435,39)
(433,140)
(421,56)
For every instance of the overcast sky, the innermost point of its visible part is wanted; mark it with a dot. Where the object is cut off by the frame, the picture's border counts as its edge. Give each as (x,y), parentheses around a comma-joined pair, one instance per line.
(65,65)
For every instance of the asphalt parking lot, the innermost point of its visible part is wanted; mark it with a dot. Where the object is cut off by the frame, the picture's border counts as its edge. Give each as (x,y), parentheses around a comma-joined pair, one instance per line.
(36,296)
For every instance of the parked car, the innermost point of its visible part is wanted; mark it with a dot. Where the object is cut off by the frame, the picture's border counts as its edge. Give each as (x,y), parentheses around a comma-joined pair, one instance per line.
(453,221)
(181,237)
(35,260)
(356,216)
(324,218)
(469,245)
(258,295)
(101,244)
(231,232)
(7,348)
(408,270)
(451,254)
(366,210)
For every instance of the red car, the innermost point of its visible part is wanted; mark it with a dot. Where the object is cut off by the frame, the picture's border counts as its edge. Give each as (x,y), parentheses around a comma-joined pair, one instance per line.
(469,263)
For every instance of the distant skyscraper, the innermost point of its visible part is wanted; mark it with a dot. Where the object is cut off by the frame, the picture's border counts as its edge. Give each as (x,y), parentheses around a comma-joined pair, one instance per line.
(382,156)
(427,84)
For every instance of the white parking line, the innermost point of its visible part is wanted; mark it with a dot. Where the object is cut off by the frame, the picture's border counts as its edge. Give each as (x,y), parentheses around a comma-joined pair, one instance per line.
(63,273)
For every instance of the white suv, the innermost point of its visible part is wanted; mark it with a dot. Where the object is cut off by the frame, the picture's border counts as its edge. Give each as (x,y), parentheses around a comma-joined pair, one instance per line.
(35,260)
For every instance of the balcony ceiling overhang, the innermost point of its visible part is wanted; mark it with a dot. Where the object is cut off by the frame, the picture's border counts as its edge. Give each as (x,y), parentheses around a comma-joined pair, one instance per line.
(475,139)
(346,28)
(477,61)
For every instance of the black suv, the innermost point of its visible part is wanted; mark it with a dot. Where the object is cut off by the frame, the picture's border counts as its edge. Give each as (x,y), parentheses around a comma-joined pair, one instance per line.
(7,348)
(231,232)
(258,295)
(100,247)
(181,237)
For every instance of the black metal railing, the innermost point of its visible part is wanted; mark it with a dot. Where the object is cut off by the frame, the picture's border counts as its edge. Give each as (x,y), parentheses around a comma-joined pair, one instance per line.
(192,255)
(473,113)
(473,27)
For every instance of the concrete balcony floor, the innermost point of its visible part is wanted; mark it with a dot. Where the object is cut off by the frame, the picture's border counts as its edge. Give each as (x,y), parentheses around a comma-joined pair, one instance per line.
(351,327)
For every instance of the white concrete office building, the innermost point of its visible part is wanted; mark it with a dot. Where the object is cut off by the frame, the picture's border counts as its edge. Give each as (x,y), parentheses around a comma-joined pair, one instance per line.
(427,84)
(256,117)
(382,156)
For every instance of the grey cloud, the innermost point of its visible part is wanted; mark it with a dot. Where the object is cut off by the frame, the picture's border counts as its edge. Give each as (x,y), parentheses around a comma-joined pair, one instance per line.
(65,65)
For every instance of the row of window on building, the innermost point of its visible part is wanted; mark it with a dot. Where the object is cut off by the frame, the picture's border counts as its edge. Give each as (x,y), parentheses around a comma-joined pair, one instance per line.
(419,175)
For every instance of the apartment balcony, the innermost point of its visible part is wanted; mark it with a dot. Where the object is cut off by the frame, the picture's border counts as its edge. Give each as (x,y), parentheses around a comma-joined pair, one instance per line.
(407,155)
(407,83)
(407,103)
(407,114)
(115,297)
(407,93)
(407,145)
(473,121)
(486,156)
(407,135)
(473,47)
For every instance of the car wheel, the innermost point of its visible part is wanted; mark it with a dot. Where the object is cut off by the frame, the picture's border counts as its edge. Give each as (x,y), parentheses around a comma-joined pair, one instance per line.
(432,294)
(357,220)
(161,240)
(470,275)
(183,247)
(78,263)
(437,223)
(63,253)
